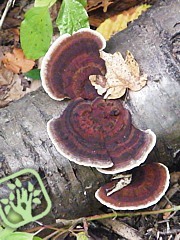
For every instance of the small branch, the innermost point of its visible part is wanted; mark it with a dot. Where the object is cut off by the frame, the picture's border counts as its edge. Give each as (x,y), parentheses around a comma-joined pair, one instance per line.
(122,229)
(8,5)
(116,214)
(63,226)
(51,235)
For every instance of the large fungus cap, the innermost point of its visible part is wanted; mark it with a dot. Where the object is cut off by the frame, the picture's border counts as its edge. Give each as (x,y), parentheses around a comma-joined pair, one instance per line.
(99,133)
(70,61)
(149,183)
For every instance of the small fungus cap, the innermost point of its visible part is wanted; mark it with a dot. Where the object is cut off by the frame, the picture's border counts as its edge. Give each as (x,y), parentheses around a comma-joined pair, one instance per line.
(70,61)
(100,134)
(149,183)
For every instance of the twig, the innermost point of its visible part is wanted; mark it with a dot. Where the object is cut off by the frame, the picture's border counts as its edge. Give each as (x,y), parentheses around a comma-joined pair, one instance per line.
(64,222)
(169,232)
(171,192)
(51,235)
(122,229)
(8,5)
(63,225)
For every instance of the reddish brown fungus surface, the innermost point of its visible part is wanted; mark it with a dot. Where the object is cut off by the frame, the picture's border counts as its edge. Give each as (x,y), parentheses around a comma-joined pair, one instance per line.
(100,134)
(149,183)
(69,62)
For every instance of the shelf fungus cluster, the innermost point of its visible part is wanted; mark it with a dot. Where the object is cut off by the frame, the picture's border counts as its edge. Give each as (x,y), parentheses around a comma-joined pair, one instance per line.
(96,132)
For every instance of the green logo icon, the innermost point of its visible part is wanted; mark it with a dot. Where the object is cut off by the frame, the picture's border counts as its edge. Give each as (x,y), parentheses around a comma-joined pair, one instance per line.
(23,191)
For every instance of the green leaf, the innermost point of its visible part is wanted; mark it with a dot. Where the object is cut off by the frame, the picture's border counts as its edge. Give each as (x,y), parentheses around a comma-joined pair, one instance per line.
(34,74)
(72,17)
(11,196)
(36,32)
(20,236)
(4,232)
(83,2)
(44,3)
(36,193)
(4,200)
(7,209)
(18,183)
(30,187)
(36,238)
(81,236)
(36,200)
(11,186)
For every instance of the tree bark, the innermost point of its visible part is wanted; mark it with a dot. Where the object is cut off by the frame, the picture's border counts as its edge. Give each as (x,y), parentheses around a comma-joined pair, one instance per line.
(154,41)
(24,141)
(25,144)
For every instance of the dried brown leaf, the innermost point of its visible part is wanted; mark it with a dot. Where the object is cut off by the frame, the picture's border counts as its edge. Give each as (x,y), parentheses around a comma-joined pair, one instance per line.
(95,4)
(121,75)
(16,90)
(17,62)
(11,87)
(167,214)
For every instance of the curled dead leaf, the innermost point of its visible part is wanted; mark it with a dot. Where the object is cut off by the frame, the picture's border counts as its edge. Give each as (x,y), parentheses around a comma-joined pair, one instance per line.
(121,75)
(124,180)
(17,62)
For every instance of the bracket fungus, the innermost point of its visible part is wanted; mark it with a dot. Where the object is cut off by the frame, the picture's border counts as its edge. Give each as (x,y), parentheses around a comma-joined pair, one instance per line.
(70,61)
(100,134)
(149,183)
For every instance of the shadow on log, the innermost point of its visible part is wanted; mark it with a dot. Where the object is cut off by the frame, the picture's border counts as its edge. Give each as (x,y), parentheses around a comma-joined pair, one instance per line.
(153,40)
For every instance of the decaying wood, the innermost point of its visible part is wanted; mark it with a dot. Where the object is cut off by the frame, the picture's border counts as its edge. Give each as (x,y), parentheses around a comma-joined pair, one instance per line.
(24,140)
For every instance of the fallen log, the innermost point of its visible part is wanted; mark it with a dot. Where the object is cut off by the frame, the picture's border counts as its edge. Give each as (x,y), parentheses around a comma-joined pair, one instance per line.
(153,40)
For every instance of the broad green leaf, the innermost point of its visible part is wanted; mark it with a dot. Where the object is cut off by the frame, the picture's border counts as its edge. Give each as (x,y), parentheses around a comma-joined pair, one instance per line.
(11,196)
(44,3)
(4,232)
(36,200)
(4,200)
(83,2)
(36,32)
(20,236)
(37,238)
(30,187)
(33,74)
(11,186)
(81,236)
(18,183)
(36,193)
(7,209)
(72,17)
